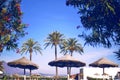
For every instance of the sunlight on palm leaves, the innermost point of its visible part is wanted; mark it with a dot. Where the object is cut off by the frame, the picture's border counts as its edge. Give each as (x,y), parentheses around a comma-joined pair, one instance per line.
(71,45)
(30,46)
(53,39)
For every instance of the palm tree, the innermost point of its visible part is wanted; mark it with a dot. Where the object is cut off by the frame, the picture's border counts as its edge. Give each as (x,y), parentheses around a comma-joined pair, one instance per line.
(69,46)
(54,39)
(30,46)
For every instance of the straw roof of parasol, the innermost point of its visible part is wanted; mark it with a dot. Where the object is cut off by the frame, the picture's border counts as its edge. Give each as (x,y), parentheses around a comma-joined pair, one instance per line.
(23,63)
(67,61)
(103,62)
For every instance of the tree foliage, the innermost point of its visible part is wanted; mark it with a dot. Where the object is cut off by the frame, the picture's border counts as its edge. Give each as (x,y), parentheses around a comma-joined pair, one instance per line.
(117,54)
(11,26)
(54,39)
(30,46)
(71,45)
(101,18)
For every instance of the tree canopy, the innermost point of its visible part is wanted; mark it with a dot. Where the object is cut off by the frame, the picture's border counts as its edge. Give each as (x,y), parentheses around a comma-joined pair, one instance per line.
(11,26)
(101,18)
(71,45)
(30,46)
(55,38)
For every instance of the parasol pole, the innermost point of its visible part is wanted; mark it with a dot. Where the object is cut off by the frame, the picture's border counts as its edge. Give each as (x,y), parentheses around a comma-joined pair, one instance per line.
(24,74)
(68,76)
(24,71)
(103,72)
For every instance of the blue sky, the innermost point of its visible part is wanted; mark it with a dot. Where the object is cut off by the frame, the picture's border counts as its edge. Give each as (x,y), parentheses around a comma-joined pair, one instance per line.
(45,17)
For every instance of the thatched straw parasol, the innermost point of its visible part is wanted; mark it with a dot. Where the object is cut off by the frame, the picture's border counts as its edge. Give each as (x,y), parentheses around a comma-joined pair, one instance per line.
(23,63)
(67,61)
(102,63)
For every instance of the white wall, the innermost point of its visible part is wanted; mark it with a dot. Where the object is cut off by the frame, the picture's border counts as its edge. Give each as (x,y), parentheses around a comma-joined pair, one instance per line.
(91,71)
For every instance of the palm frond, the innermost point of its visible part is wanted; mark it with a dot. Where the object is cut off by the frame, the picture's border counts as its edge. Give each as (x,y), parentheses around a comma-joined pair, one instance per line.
(29,46)
(117,54)
(55,38)
(37,49)
(46,45)
(24,49)
(71,45)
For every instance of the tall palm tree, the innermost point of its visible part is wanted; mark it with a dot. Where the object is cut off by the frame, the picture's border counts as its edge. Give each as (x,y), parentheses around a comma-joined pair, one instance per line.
(31,46)
(69,46)
(54,39)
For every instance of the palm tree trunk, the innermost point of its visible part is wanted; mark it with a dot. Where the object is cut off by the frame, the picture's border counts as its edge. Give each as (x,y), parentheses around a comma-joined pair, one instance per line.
(70,67)
(56,59)
(30,60)
(30,56)
(55,52)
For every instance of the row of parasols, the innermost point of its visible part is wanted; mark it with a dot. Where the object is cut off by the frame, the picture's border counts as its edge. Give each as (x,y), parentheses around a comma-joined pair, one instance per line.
(65,61)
